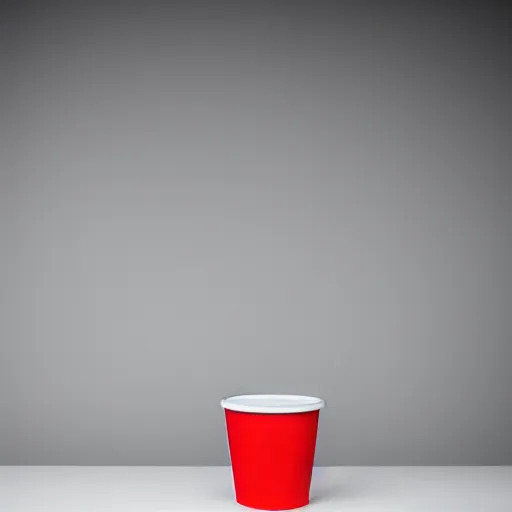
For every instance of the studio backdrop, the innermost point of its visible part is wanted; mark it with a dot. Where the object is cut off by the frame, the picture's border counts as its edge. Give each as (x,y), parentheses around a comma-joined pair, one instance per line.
(200,200)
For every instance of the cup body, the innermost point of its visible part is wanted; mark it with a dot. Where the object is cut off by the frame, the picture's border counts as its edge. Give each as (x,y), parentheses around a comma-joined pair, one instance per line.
(272,454)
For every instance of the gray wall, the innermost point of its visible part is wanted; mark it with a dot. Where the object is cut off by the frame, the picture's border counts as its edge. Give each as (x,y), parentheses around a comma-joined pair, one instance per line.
(212,199)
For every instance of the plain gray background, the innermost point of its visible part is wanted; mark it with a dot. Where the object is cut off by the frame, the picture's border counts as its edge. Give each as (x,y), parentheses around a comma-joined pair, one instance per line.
(217,198)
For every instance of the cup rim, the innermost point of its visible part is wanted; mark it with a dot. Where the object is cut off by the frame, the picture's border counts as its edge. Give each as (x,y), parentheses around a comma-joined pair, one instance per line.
(272,403)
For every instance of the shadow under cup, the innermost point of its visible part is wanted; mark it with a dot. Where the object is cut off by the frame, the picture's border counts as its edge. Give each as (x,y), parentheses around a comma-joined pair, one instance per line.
(272,440)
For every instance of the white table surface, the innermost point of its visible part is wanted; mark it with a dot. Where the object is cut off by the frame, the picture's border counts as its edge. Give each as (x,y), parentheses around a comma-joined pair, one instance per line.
(204,489)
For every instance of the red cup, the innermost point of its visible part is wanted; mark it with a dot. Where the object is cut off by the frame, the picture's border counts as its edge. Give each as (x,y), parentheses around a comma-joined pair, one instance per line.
(272,441)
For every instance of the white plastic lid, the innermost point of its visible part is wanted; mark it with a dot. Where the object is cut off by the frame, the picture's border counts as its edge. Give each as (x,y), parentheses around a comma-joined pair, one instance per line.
(272,404)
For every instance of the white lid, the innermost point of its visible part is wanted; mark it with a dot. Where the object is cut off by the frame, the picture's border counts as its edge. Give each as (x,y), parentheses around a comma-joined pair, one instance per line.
(272,404)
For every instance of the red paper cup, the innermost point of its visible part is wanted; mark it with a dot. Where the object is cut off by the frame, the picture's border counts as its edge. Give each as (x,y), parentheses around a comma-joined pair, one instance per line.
(272,441)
